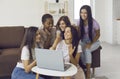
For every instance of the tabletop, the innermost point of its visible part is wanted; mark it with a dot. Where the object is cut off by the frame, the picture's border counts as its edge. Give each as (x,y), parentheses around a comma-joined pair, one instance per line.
(69,72)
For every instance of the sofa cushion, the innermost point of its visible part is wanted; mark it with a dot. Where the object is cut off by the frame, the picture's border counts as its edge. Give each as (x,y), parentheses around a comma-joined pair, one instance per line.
(10,51)
(8,60)
(0,51)
(11,37)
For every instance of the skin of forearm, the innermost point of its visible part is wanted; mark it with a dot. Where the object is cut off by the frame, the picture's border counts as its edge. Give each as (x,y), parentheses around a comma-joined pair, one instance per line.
(96,37)
(55,43)
(29,67)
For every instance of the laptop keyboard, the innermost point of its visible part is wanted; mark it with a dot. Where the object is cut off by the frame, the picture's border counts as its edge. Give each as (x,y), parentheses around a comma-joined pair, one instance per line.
(66,66)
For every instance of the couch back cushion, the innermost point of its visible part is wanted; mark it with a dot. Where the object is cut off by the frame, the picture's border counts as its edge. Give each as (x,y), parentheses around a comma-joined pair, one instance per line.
(11,37)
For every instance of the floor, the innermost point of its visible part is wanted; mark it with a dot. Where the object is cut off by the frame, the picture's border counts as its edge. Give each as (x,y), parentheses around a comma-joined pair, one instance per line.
(110,62)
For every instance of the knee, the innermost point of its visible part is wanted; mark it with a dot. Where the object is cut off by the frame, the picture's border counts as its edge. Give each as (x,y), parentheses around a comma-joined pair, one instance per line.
(87,50)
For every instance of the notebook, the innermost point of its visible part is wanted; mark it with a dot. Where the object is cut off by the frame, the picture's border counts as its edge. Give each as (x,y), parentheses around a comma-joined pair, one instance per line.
(50,59)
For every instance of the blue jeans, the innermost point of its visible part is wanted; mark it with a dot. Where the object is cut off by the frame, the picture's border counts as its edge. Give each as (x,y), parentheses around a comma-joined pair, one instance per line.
(86,56)
(19,73)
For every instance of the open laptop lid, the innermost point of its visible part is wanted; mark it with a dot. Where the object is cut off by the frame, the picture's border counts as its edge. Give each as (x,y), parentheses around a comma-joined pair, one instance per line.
(49,59)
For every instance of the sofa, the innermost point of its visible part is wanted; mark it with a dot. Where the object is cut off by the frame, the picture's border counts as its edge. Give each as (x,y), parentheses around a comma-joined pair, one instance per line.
(11,42)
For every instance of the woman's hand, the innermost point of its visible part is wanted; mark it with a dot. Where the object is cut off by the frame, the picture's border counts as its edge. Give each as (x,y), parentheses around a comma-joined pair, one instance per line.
(28,66)
(88,46)
(52,48)
(74,60)
(47,31)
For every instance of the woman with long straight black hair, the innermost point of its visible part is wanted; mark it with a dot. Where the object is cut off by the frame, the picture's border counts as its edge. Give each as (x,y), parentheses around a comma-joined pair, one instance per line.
(27,57)
(89,36)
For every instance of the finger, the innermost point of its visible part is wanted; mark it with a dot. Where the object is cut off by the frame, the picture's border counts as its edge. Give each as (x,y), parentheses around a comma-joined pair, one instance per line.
(74,48)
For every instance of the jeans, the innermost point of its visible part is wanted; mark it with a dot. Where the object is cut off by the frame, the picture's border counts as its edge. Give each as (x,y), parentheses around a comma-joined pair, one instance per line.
(19,73)
(86,56)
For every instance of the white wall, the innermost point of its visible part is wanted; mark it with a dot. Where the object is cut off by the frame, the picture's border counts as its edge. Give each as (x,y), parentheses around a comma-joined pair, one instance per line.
(100,16)
(92,4)
(116,9)
(109,21)
(70,11)
(116,24)
(21,12)
(104,15)
(25,12)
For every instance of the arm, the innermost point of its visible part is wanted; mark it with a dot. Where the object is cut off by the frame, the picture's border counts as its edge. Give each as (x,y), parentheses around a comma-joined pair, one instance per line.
(27,65)
(97,36)
(74,60)
(57,40)
(94,39)
(26,61)
(96,28)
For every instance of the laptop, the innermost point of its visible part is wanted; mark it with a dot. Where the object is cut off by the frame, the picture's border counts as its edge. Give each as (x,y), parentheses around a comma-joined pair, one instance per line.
(50,59)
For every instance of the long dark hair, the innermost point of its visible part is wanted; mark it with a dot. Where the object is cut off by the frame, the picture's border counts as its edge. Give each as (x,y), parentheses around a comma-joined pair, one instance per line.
(30,38)
(67,22)
(90,22)
(75,39)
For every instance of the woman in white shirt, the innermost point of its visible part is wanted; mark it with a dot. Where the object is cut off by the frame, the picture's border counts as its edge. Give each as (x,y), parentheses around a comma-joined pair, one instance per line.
(27,61)
(71,50)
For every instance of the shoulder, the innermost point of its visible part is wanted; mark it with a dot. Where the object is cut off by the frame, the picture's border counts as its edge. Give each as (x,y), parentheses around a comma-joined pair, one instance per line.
(25,50)
(25,53)
(42,33)
(41,30)
(96,24)
(58,32)
(77,22)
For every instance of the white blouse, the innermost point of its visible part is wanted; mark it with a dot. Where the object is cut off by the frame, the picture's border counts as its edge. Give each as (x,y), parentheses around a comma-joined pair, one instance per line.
(25,55)
(64,47)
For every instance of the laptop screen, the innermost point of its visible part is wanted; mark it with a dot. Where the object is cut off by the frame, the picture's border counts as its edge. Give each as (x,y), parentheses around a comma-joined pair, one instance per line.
(49,59)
